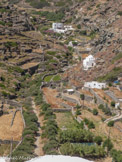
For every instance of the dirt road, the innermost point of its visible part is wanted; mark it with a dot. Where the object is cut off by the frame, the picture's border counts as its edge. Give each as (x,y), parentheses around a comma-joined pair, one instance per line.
(38,143)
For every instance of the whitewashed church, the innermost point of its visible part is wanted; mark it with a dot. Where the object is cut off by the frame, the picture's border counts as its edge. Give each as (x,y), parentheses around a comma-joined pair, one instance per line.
(89,62)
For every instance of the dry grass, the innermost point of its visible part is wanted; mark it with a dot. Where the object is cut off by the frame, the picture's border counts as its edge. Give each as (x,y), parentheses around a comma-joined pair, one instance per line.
(50,96)
(29,65)
(6,131)
(103,95)
(102,129)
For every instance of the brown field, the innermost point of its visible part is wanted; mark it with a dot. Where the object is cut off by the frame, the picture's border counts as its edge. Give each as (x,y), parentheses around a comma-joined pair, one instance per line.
(6,131)
(29,65)
(50,96)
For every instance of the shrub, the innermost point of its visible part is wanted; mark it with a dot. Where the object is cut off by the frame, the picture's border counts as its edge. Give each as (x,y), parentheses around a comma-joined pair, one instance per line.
(101,106)
(111,123)
(98,140)
(86,121)
(112,103)
(91,125)
(116,155)
(107,143)
(79,26)
(83,32)
(95,112)
(78,112)
(120,13)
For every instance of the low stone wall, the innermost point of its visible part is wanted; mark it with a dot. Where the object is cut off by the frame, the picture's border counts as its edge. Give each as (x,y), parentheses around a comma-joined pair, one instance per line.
(66,106)
(8,142)
(70,99)
(14,117)
(61,110)
(87,98)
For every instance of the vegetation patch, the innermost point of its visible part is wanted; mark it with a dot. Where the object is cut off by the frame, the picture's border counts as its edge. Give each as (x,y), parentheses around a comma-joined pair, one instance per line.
(48,78)
(51,16)
(117,57)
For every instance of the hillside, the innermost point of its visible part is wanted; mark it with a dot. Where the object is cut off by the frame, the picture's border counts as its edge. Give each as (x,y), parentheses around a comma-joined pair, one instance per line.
(43,48)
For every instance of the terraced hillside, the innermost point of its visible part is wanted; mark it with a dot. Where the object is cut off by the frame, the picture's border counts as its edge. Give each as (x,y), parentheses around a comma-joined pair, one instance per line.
(37,68)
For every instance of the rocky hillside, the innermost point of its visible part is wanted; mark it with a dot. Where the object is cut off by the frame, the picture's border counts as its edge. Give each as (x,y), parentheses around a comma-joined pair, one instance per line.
(98,22)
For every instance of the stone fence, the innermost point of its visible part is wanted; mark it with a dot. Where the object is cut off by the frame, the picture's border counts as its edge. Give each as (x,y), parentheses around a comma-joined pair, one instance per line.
(8,142)
(66,106)
(14,114)
(61,110)
(70,99)
(87,98)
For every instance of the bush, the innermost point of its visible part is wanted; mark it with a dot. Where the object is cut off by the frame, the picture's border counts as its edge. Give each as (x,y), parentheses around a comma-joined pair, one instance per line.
(86,121)
(116,155)
(101,106)
(78,112)
(113,104)
(82,150)
(98,140)
(107,143)
(111,123)
(91,125)
(95,112)
(83,32)
(79,26)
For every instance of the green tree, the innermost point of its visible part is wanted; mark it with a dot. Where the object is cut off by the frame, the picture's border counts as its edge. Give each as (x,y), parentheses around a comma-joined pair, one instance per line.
(111,123)
(95,112)
(82,96)
(98,140)
(91,125)
(108,144)
(112,103)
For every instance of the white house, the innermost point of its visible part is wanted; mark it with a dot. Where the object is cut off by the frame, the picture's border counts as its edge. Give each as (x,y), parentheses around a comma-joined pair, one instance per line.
(60,28)
(117,105)
(94,84)
(68,27)
(89,62)
(70,91)
(57,26)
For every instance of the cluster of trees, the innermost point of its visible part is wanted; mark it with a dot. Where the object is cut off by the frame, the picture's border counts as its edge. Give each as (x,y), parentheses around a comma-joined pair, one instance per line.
(116,155)
(82,150)
(50,130)
(26,148)
(89,123)
(76,135)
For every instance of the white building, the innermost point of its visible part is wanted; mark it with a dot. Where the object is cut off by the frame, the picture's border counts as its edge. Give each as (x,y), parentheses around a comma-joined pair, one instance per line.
(89,62)
(60,28)
(57,26)
(70,91)
(68,27)
(94,84)
(117,105)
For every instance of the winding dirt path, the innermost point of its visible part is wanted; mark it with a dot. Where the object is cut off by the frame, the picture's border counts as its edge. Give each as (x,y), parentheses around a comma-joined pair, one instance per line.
(38,143)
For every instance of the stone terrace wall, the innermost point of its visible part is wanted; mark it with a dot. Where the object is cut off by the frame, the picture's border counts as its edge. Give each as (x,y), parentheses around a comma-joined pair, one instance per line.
(70,99)
(87,98)
(8,142)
